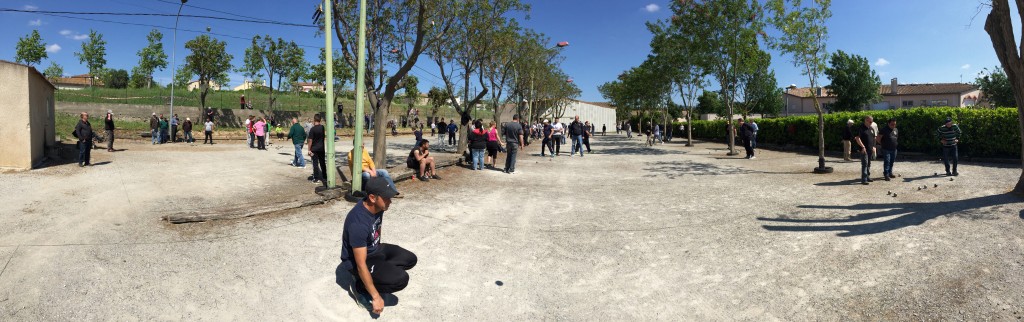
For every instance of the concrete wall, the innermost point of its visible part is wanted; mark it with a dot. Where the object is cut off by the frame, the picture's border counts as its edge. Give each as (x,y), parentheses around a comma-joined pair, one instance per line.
(14,126)
(224,117)
(40,115)
(597,115)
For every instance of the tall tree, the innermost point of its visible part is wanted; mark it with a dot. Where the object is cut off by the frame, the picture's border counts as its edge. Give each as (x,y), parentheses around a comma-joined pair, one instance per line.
(397,33)
(803,32)
(208,61)
(342,73)
(996,88)
(853,81)
(761,94)
(709,103)
(276,58)
(412,91)
(999,27)
(724,38)
(115,78)
(437,98)
(670,46)
(151,58)
(30,49)
(54,71)
(93,54)
(506,47)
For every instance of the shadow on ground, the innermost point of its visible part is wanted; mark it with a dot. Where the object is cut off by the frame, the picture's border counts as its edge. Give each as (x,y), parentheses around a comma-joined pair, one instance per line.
(676,169)
(344,279)
(902,215)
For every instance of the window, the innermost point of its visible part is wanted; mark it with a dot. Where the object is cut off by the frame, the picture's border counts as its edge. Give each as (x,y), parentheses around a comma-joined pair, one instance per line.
(908,103)
(939,103)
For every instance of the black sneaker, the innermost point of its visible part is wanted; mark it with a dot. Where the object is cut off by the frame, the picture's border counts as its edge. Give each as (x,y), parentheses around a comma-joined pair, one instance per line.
(948,174)
(424,178)
(887,178)
(364,300)
(864,182)
(869,180)
(956,173)
(437,177)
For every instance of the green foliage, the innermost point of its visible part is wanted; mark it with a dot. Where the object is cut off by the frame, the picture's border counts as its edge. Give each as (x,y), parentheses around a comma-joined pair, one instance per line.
(996,87)
(93,53)
(342,72)
(709,102)
(853,82)
(116,78)
(54,71)
(761,94)
(412,93)
(986,132)
(30,49)
(277,58)
(151,57)
(208,61)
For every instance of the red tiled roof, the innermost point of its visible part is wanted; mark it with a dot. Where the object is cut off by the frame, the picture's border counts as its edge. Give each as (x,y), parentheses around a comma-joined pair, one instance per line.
(902,89)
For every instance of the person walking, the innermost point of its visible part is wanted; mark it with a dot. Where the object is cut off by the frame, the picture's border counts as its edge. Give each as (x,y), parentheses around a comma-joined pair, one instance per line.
(298,136)
(587,134)
(208,132)
(376,267)
(418,133)
(250,135)
(576,129)
(557,135)
(261,133)
(546,142)
(629,130)
(477,145)
(753,139)
(657,133)
(154,127)
(847,138)
(108,128)
(187,129)
(888,137)
(317,153)
(164,126)
(174,128)
(747,136)
(83,131)
(865,139)
(493,145)
(604,129)
(949,136)
(513,132)
(453,130)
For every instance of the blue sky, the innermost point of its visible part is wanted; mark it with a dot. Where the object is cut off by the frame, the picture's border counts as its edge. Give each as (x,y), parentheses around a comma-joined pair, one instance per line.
(917,41)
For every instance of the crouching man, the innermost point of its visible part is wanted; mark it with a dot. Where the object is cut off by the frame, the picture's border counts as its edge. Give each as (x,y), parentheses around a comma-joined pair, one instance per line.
(377,267)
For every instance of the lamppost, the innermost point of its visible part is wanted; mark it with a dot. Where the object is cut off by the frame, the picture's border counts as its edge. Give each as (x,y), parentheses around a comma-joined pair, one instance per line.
(561,44)
(174,43)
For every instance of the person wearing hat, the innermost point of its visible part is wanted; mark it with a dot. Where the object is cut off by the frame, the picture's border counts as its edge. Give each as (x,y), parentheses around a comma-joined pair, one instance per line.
(545,143)
(949,136)
(154,127)
(186,128)
(847,139)
(108,128)
(375,267)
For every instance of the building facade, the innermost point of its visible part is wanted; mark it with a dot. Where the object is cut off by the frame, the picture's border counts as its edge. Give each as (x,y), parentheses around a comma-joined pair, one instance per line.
(800,101)
(77,82)
(27,130)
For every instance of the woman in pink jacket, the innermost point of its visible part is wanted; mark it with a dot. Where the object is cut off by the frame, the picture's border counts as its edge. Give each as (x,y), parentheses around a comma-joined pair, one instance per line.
(261,131)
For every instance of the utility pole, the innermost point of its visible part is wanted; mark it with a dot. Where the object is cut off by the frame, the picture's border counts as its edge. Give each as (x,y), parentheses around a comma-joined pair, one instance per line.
(357,152)
(332,175)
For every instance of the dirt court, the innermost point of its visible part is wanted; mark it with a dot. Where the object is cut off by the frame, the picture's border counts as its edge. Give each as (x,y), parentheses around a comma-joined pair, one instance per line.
(628,232)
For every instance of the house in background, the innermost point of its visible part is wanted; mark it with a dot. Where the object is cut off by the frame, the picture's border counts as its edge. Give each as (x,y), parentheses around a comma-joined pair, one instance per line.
(307,87)
(800,101)
(194,85)
(27,130)
(247,85)
(77,82)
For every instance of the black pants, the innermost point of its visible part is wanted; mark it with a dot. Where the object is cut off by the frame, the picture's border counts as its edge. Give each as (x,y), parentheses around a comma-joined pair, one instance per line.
(586,141)
(950,154)
(556,142)
(319,165)
(174,133)
(452,138)
(546,144)
(865,166)
(387,269)
(748,145)
(208,137)
(84,152)
(261,142)
(252,140)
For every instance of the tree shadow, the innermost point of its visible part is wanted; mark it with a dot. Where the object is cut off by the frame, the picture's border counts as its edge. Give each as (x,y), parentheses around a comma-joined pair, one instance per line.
(676,169)
(838,183)
(640,150)
(903,215)
(344,279)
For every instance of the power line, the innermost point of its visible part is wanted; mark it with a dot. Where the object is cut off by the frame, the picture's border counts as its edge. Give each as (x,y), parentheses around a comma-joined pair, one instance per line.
(224,12)
(157,15)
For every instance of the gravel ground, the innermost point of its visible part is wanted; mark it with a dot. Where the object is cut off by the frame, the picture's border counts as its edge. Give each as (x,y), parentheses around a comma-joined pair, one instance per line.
(629,232)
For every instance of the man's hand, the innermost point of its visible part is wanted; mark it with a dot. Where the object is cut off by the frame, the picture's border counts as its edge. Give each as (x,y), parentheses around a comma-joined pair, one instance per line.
(943,141)
(378,305)
(372,173)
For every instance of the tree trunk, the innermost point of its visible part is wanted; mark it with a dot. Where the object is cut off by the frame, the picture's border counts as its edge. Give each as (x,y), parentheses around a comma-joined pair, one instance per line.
(380,142)
(999,27)
(202,97)
(689,127)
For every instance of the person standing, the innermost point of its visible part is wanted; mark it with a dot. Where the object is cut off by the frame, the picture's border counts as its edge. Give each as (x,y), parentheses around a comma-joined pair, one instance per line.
(298,136)
(418,133)
(604,129)
(315,143)
(657,133)
(477,145)
(949,136)
(375,267)
(164,126)
(557,134)
(108,127)
(208,131)
(261,133)
(209,114)
(442,130)
(587,134)
(847,138)
(187,128)
(865,139)
(249,134)
(576,129)
(242,102)
(433,129)
(888,137)
(83,131)
(154,127)
(747,136)
(174,128)
(874,128)
(493,145)
(513,132)
(629,130)
(753,139)
(453,130)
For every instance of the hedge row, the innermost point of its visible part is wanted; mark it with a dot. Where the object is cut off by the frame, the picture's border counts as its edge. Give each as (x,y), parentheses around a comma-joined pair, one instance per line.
(989,133)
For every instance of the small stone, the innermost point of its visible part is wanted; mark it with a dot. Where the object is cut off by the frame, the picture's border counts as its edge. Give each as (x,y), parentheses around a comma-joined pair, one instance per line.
(936,185)
(894,195)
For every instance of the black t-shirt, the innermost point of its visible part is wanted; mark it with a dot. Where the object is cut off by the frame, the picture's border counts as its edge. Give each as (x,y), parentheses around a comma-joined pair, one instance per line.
(889,137)
(317,134)
(362,229)
(848,133)
(547,130)
(746,131)
(867,136)
(512,131)
(575,128)
(477,139)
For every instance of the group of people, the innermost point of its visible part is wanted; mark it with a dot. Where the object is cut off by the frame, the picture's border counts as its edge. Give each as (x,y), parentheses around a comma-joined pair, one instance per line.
(868,137)
(164,130)
(553,135)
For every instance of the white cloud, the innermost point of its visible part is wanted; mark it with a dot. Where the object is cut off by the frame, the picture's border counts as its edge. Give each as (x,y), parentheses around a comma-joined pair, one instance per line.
(652,8)
(65,32)
(966,66)
(52,48)
(881,62)
(37,22)
(80,37)
(30,7)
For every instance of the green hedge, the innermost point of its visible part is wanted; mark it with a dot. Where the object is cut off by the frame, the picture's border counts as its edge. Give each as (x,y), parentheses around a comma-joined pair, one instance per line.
(991,133)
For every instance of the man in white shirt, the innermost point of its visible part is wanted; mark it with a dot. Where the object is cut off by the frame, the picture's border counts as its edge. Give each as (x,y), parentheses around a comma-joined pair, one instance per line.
(557,135)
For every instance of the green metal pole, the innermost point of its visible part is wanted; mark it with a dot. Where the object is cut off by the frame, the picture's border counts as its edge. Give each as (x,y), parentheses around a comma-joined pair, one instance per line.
(332,176)
(357,152)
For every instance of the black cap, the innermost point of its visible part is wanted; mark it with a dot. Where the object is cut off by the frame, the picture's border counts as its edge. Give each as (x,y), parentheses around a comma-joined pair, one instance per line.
(949,119)
(380,187)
